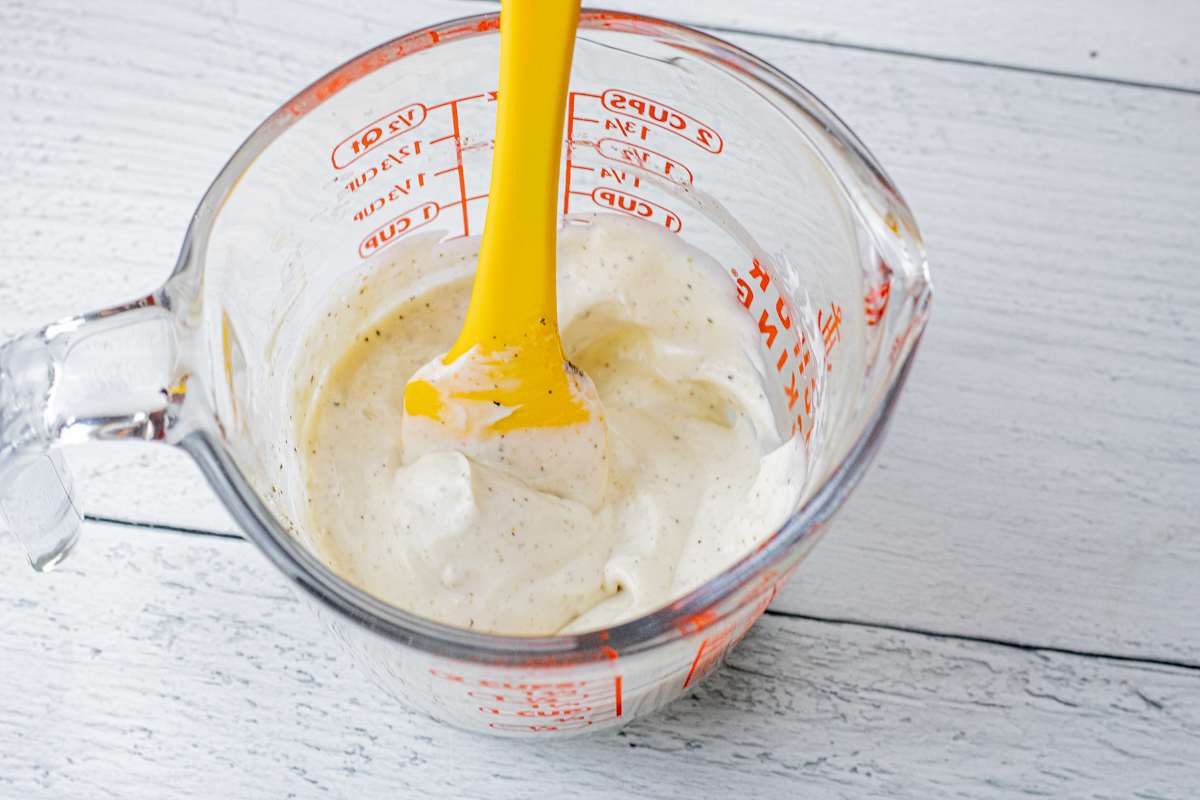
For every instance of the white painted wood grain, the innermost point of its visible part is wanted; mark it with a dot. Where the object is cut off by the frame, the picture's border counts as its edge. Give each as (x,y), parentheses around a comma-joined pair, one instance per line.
(116,116)
(146,484)
(1149,42)
(1040,482)
(158,665)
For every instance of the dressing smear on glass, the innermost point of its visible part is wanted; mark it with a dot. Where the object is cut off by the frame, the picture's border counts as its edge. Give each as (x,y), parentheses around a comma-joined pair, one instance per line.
(697,470)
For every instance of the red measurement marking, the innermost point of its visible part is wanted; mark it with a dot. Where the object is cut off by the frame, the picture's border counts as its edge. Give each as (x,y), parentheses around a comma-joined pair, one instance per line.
(627,128)
(901,338)
(570,145)
(619,177)
(372,136)
(876,302)
(462,180)
(661,116)
(713,649)
(391,161)
(790,354)
(744,293)
(393,229)
(469,199)
(830,327)
(549,706)
(456,101)
(803,356)
(784,316)
(705,666)
(791,392)
(459,149)
(809,400)
(483,26)
(635,207)
(768,324)
(397,191)
(696,622)
(803,352)
(764,279)
(340,78)
(646,159)
(767,329)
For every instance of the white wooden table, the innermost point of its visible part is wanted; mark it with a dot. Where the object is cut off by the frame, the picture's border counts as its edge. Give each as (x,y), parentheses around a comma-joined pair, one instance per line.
(1010,603)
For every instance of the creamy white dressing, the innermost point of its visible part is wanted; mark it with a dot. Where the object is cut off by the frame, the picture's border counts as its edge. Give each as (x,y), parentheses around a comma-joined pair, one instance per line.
(569,461)
(697,472)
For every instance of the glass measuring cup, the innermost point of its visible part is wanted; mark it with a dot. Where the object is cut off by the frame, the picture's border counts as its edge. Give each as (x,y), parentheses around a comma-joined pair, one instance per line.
(664,123)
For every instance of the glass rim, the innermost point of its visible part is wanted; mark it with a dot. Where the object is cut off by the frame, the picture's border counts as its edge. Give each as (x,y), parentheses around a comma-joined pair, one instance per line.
(677,619)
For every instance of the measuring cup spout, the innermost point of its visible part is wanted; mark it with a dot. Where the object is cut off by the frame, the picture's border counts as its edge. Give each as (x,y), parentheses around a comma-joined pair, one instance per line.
(102,376)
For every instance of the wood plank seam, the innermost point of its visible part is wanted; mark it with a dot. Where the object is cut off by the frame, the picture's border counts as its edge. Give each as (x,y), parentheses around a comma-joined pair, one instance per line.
(930,57)
(1188,665)
(162,527)
(943,59)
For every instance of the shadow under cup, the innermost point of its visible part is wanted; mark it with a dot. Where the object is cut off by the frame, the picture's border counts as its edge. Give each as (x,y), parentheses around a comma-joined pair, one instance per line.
(665,124)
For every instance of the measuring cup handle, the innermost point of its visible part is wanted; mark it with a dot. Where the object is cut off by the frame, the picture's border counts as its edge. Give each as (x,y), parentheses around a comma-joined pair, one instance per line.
(107,375)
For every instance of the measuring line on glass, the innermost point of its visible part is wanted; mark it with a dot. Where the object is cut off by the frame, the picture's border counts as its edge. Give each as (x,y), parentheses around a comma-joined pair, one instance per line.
(619,127)
(417,158)
(716,646)
(552,705)
(416,153)
(624,128)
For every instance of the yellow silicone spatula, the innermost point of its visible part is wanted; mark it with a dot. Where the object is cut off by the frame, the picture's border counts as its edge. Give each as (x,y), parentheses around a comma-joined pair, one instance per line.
(505,395)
